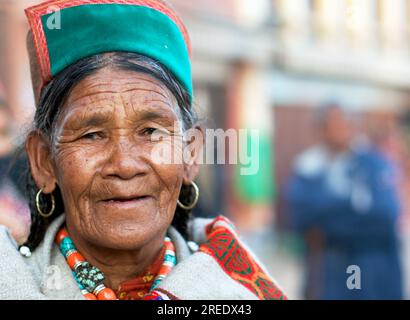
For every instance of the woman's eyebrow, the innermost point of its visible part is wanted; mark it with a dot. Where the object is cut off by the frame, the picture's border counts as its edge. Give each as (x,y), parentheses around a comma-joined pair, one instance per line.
(100,119)
(90,121)
(154,115)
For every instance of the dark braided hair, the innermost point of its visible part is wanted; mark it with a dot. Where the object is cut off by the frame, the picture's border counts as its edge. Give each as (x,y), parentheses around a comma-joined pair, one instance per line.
(49,107)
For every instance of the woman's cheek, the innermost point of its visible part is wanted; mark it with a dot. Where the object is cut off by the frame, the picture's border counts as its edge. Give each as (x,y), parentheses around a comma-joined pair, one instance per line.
(75,166)
(171,175)
(168,151)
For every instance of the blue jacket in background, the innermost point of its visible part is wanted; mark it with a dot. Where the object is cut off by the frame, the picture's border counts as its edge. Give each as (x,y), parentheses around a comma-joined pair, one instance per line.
(353,206)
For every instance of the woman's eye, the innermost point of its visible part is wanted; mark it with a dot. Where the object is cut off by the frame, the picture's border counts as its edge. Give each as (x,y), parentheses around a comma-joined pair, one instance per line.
(155,131)
(149,131)
(92,136)
(155,134)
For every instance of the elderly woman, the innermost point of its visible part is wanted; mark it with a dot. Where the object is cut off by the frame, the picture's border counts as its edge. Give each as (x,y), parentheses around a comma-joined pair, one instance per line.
(110,220)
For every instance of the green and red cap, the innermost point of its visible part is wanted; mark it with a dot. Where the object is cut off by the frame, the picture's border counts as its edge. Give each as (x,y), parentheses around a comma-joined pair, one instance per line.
(65,31)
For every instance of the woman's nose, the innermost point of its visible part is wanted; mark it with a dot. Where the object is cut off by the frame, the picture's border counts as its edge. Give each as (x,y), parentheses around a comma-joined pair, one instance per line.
(125,160)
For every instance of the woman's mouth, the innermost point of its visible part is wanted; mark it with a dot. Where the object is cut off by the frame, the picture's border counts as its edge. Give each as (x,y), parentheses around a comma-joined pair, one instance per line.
(125,201)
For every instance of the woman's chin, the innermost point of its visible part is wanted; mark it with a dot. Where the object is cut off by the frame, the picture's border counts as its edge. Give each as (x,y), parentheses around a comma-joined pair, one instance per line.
(124,234)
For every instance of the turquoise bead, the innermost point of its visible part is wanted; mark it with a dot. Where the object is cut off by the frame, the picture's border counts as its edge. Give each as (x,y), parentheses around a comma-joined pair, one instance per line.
(78,282)
(66,245)
(170,258)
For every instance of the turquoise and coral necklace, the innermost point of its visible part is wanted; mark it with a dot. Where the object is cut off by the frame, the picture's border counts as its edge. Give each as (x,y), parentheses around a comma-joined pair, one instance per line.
(90,279)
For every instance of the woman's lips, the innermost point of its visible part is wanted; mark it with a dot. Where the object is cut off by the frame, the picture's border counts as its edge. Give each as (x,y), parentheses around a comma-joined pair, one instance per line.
(127,202)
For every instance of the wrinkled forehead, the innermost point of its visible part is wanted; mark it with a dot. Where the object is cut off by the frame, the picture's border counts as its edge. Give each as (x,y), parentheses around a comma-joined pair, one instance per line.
(112,91)
(109,82)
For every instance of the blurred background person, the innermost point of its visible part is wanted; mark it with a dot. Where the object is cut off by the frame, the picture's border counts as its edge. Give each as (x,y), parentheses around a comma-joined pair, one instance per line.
(13,210)
(343,201)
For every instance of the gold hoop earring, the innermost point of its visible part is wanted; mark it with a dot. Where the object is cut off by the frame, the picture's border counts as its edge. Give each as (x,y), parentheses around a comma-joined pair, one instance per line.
(193,204)
(39,210)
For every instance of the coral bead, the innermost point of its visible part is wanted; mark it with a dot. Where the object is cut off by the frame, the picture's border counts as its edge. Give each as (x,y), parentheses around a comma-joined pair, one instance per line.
(61,235)
(107,294)
(74,258)
(90,296)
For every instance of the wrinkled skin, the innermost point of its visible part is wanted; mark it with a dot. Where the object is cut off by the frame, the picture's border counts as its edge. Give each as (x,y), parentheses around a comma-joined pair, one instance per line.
(118,202)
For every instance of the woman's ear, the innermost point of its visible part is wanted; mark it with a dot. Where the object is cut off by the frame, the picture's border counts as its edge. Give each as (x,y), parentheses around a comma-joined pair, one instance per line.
(193,153)
(39,156)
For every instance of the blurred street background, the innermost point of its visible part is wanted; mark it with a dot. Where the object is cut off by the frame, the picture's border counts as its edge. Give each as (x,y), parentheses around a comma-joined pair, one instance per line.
(278,66)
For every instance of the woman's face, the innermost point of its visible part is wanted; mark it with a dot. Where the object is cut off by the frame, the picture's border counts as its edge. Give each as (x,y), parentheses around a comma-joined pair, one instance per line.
(115,194)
